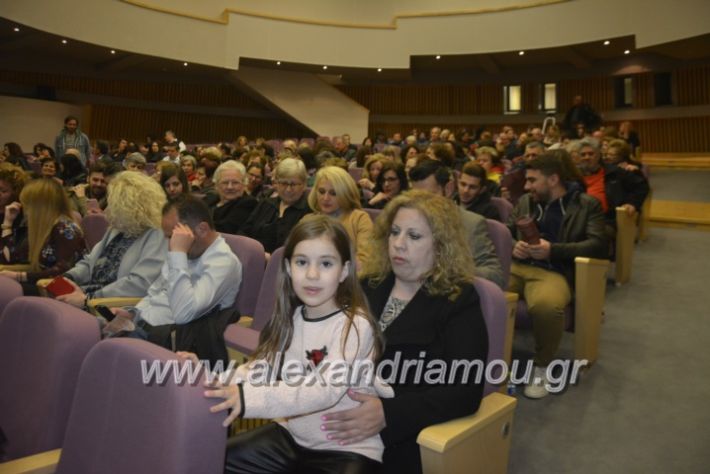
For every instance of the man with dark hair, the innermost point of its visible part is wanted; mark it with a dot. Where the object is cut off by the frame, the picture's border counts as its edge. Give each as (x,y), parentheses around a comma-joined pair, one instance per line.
(95,188)
(72,137)
(581,113)
(171,139)
(475,191)
(172,154)
(433,176)
(102,149)
(570,224)
(199,274)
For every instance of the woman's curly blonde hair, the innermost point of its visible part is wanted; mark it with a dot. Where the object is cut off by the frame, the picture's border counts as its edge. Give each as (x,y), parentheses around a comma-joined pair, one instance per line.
(14,176)
(135,203)
(453,263)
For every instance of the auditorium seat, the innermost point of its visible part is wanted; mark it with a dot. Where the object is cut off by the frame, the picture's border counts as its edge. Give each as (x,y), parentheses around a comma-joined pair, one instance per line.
(373,213)
(42,346)
(244,335)
(504,207)
(94,227)
(119,423)
(9,290)
(626,231)
(356,173)
(584,315)
(251,254)
(479,443)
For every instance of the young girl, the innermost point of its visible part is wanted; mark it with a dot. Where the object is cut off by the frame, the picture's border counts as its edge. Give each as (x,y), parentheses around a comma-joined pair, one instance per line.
(321,322)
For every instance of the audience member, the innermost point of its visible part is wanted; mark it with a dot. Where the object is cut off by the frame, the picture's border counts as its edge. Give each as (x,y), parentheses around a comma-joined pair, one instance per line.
(94,188)
(71,136)
(171,139)
(475,191)
(14,155)
(570,224)
(235,205)
(335,194)
(174,182)
(391,181)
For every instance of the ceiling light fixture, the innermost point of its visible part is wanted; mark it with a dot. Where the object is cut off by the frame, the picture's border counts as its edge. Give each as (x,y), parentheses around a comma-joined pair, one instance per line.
(521,53)
(16,29)
(325,67)
(627,51)
(379,69)
(184,64)
(113,51)
(607,43)
(438,57)
(278,63)
(64,41)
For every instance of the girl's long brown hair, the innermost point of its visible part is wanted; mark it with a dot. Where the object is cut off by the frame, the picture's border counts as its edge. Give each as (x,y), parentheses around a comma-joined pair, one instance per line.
(43,202)
(276,336)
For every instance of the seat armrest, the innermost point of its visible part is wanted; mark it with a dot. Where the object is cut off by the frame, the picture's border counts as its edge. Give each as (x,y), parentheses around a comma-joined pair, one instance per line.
(245,321)
(625,238)
(17,267)
(589,293)
(117,301)
(511,300)
(41,463)
(473,444)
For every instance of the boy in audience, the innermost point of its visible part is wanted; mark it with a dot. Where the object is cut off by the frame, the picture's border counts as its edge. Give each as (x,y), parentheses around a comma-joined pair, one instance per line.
(200,274)
(433,176)
(570,224)
(475,191)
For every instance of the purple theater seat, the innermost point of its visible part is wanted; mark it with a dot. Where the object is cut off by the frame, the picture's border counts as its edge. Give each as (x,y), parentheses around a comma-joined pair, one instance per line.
(505,208)
(9,290)
(42,345)
(495,310)
(373,213)
(94,226)
(251,253)
(246,339)
(119,424)
(356,173)
(503,242)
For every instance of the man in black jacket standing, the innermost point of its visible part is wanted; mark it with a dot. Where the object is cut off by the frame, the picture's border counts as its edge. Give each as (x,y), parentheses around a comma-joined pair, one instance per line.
(570,224)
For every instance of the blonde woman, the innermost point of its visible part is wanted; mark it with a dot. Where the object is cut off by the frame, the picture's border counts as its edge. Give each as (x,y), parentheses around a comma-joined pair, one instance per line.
(129,257)
(51,242)
(335,194)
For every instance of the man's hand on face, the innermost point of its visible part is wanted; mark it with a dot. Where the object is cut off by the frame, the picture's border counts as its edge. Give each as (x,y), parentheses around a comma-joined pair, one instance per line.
(182,239)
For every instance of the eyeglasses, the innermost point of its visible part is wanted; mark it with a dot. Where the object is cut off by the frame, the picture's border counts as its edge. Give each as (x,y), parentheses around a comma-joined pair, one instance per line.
(254,176)
(289,184)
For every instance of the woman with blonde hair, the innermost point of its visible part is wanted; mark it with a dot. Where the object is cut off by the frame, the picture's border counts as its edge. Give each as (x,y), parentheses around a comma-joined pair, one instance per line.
(419,286)
(129,257)
(51,242)
(372,169)
(335,194)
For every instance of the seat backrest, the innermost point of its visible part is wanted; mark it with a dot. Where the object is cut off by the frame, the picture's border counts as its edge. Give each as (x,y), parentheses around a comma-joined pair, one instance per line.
(94,226)
(42,345)
(251,253)
(9,290)
(373,213)
(125,421)
(503,242)
(505,208)
(267,294)
(495,312)
(356,173)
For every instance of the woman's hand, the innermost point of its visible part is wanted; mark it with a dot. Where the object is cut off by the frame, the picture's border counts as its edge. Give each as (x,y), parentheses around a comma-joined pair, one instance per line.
(232,400)
(356,424)
(366,184)
(381,196)
(12,210)
(188,357)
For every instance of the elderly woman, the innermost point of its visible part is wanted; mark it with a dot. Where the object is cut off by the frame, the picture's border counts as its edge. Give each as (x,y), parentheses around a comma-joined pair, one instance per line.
(418,283)
(134,162)
(273,218)
(188,163)
(51,242)
(174,182)
(335,194)
(129,257)
(234,205)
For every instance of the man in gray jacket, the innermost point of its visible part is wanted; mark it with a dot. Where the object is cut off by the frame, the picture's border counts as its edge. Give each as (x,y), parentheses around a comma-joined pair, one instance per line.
(435,177)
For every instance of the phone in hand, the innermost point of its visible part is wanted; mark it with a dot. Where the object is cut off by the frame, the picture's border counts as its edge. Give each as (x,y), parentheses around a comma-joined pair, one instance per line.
(60,286)
(106,312)
(92,205)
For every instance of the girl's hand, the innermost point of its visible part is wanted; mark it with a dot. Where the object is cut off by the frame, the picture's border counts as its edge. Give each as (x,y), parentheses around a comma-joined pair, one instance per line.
(188,356)
(356,424)
(11,212)
(232,400)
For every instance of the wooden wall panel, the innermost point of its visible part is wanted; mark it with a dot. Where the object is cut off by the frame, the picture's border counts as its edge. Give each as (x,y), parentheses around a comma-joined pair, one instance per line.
(693,85)
(111,123)
(215,95)
(644,91)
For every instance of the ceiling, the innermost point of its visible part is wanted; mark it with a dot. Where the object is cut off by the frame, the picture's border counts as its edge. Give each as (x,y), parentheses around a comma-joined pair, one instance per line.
(31,49)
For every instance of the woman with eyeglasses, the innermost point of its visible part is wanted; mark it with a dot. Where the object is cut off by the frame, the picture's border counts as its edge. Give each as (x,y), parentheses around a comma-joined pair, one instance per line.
(234,205)
(336,195)
(391,181)
(273,218)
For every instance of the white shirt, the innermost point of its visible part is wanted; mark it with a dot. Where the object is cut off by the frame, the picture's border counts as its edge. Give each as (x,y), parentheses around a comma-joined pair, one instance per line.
(186,289)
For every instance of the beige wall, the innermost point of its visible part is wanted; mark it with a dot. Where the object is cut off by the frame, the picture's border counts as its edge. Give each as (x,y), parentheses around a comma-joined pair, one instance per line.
(166,28)
(28,121)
